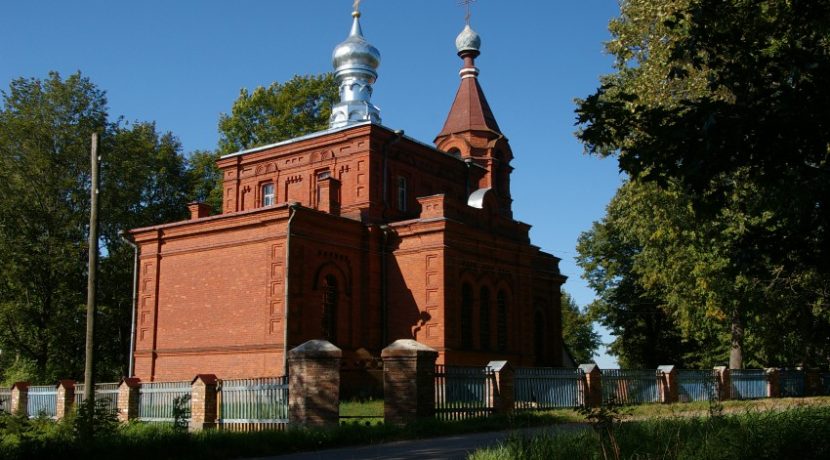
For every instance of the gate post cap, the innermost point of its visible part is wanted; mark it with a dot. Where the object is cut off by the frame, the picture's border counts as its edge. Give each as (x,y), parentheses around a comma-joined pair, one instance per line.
(316,349)
(407,347)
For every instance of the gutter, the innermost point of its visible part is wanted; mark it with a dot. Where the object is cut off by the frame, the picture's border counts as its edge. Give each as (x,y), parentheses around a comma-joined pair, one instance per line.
(131,362)
(292,209)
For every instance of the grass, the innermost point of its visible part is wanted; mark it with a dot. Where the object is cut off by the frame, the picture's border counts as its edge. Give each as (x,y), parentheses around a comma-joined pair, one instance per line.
(362,412)
(801,432)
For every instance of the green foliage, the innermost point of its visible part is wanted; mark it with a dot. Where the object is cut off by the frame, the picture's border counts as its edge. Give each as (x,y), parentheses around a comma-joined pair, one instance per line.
(716,110)
(299,106)
(578,331)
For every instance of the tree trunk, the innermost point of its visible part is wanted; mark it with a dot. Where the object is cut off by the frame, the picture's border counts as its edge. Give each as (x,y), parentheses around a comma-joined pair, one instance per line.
(736,351)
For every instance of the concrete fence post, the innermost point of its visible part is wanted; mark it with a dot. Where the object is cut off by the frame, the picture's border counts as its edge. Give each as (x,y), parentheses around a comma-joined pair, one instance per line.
(502,388)
(668,384)
(203,409)
(592,386)
(65,398)
(128,394)
(314,384)
(724,383)
(773,383)
(408,381)
(20,398)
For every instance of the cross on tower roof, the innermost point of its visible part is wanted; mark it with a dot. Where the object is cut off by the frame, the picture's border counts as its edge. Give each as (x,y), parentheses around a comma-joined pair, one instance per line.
(466,4)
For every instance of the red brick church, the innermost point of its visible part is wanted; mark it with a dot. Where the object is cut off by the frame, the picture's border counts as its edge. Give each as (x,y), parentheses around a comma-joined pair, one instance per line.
(359,235)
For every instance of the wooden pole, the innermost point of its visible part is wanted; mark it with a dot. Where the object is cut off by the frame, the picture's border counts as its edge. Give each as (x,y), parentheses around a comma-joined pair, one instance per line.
(89,368)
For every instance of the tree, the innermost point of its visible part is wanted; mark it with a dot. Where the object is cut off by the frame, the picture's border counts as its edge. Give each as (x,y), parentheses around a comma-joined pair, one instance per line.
(581,340)
(721,103)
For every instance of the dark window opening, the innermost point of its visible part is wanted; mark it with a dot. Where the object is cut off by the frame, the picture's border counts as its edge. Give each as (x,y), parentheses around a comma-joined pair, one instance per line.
(330,298)
(466,316)
(501,325)
(484,319)
(539,337)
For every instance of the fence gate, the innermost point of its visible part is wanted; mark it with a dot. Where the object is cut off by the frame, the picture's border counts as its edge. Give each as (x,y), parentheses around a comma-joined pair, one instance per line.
(463,392)
(253,404)
(542,388)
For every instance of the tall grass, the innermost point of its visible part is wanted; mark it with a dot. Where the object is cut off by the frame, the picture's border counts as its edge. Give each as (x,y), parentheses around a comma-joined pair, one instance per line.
(802,433)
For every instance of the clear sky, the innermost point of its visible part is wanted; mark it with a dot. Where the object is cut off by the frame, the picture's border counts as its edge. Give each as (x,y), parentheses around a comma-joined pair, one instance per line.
(182,63)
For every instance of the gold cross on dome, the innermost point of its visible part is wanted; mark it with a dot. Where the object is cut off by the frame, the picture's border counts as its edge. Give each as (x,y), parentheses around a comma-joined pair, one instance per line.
(466,4)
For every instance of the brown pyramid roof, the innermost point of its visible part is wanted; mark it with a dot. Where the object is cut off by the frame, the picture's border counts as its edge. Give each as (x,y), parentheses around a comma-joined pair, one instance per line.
(470,111)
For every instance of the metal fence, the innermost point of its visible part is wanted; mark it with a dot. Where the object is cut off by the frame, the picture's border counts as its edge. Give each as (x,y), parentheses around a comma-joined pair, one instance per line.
(629,386)
(697,385)
(5,400)
(748,383)
(43,401)
(253,404)
(463,392)
(106,395)
(824,381)
(159,401)
(793,383)
(543,388)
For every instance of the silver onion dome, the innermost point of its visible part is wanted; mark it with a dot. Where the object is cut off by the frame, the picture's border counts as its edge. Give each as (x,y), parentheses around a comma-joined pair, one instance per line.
(355,63)
(468,40)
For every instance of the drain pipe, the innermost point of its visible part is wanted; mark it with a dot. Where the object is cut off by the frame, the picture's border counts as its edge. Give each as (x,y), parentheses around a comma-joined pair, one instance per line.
(292,209)
(384,302)
(131,363)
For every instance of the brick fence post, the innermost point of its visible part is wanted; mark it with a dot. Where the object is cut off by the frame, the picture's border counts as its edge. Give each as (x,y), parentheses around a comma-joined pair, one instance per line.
(667,383)
(502,390)
(812,382)
(20,398)
(773,383)
(724,383)
(408,381)
(203,402)
(314,384)
(65,398)
(128,394)
(592,385)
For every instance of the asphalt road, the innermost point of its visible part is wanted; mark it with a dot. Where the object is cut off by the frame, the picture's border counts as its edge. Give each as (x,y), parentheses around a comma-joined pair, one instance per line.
(449,447)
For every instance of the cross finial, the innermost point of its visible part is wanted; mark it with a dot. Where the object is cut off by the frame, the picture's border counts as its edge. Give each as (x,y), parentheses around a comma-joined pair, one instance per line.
(356,8)
(466,4)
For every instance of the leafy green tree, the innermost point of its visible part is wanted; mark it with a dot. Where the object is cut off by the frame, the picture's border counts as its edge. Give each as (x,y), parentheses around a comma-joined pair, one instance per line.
(578,331)
(205,178)
(720,103)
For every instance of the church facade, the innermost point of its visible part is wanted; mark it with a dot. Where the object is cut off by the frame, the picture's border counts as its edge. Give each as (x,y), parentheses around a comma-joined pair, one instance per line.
(358,235)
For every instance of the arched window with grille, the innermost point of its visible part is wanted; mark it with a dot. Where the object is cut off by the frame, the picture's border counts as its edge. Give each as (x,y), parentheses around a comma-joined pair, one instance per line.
(466,316)
(330,299)
(484,319)
(501,321)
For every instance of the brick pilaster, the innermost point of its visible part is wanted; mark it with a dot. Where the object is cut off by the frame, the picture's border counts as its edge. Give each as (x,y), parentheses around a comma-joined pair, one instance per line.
(20,398)
(773,383)
(668,384)
(592,386)
(724,383)
(502,391)
(203,402)
(65,398)
(408,381)
(128,399)
(314,384)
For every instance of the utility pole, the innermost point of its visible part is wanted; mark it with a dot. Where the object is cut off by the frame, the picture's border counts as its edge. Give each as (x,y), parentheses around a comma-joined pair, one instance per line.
(89,368)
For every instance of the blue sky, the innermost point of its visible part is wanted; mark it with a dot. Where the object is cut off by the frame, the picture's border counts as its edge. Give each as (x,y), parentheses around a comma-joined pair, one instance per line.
(182,63)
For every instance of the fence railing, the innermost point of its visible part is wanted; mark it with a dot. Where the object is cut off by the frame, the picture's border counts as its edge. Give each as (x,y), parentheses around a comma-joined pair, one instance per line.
(158,401)
(43,401)
(793,383)
(697,385)
(629,386)
(463,392)
(748,383)
(543,388)
(253,404)
(824,382)
(106,395)
(5,400)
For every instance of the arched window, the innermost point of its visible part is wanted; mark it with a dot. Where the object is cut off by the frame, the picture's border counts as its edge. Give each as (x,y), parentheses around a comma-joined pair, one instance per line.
(539,337)
(330,298)
(501,321)
(403,193)
(484,319)
(466,316)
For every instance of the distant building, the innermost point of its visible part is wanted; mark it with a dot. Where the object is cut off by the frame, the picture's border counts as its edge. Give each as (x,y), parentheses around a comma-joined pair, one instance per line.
(358,235)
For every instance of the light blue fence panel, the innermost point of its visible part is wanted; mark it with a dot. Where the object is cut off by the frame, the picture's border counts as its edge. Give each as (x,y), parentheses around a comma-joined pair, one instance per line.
(5,400)
(793,382)
(697,385)
(253,404)
(543,388)
(157,400)
(748,383)
(630,386)
(106,395)
(43,401)
(463,392)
